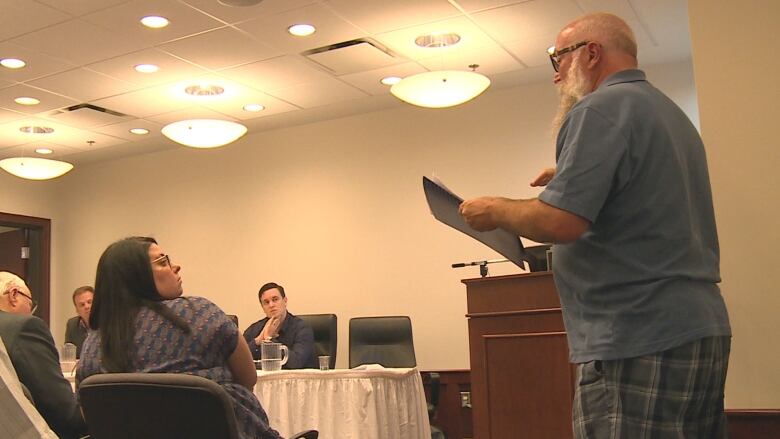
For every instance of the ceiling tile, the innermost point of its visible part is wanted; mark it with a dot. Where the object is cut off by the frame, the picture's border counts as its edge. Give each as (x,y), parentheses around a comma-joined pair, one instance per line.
(38,64)
(8,115)
(49,101)
(530,20)
(62,135)
(83,85)
(489,60)
(471,38)
(78,42)
(320,93)
(122,130)
(331,29)
(193,112)
(370,83)
(171,68)
(382,16)
(235,14)
(220,48)
(126,19)
(16,17)
(81,7)
(143,103)
(60,152)
(276,73)
(478,5)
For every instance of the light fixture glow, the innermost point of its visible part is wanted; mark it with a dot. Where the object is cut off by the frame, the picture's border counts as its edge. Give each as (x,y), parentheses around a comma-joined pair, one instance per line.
(12,63)
(440,89)
(204,133)
(44,151)
(146,68)
(301,30)
(390,80)
(139,131)
(254,108)
(204,90)
(26,100)
(33,168)
(154,21)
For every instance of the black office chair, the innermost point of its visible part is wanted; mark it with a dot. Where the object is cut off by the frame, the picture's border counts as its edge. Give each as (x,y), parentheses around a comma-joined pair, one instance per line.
(158,406)
(381,340)
(325,334)
(388,341)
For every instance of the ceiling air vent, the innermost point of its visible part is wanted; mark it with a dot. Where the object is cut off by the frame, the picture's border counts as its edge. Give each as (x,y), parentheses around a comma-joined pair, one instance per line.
(87,116)
(360,55)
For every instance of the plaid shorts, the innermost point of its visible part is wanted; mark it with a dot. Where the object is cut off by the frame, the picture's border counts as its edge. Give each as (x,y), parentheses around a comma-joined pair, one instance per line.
(677,393)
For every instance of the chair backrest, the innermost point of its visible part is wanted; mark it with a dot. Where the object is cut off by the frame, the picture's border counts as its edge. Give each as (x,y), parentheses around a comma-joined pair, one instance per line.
(325,334)
(382,340)
(156,406)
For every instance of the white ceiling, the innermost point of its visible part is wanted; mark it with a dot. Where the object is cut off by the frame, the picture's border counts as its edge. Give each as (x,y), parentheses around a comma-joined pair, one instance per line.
(84,51)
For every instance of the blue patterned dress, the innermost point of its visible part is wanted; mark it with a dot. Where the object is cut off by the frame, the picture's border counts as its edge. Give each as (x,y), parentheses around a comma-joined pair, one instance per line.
(162,347)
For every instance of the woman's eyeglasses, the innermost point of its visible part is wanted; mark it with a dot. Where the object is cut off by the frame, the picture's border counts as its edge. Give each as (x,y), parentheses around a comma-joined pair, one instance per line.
(164,260)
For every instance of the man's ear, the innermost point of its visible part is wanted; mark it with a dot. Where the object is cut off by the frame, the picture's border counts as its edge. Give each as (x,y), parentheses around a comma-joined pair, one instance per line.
(594,53)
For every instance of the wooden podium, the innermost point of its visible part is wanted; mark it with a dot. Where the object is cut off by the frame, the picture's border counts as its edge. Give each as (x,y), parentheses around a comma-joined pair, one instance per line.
(522,383)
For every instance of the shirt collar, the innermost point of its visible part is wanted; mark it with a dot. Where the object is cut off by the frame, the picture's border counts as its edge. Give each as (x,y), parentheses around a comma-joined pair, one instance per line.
(630,75)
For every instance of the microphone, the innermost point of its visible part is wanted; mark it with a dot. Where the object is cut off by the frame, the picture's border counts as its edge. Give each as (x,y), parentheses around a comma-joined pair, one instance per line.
(469,264)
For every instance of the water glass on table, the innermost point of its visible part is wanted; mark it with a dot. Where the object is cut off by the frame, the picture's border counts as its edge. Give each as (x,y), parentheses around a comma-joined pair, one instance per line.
(68,358)
(324,362)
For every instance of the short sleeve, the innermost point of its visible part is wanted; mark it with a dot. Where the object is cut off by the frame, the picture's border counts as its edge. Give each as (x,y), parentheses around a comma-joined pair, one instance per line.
(591,149)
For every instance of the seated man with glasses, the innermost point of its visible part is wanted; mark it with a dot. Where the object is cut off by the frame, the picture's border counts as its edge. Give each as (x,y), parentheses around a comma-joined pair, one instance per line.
(34,357)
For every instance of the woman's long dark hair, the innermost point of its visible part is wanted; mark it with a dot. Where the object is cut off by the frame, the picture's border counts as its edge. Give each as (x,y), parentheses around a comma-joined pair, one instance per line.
(123,285)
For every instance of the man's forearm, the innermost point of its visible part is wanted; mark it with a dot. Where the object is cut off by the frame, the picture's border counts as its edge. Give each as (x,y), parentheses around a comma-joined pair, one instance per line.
(537,220)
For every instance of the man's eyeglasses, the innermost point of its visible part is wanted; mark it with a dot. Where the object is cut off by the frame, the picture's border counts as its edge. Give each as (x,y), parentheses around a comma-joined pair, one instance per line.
(165,260)
(33,303)
(555,55)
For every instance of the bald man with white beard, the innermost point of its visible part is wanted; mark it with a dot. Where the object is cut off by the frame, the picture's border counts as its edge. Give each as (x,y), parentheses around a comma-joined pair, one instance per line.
(629,210)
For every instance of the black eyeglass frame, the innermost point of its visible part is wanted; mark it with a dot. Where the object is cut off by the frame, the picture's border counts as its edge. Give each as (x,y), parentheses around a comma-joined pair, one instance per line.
(556,54)
(33,302)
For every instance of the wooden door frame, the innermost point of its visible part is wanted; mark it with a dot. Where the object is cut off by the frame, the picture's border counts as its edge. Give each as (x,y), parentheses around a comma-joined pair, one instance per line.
(42,225)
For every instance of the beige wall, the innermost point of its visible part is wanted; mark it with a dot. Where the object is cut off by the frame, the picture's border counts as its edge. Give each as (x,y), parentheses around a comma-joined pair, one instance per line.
(735,64)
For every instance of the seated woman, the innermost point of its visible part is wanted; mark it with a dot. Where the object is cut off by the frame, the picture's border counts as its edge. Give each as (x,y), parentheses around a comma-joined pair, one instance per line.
(141,324)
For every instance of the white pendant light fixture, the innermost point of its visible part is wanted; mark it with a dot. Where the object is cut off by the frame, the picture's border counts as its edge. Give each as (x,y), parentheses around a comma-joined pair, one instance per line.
(33,168)
(204,133)
(441,88)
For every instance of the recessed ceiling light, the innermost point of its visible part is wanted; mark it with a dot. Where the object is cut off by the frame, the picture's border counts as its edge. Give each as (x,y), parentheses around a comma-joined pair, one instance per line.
(204,90)
(154,21)
(146,68)
(390,80)
(254,107)
(437,40)
(25,100)
(301,30)
(44,151)
(12,63)
(30,129)
(139,131)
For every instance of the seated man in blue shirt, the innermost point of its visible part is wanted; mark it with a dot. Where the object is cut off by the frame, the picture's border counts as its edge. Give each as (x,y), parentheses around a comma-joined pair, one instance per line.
(282,327)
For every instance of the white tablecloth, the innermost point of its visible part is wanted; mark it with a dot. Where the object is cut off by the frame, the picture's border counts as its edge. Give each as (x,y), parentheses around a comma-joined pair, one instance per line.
(372,403)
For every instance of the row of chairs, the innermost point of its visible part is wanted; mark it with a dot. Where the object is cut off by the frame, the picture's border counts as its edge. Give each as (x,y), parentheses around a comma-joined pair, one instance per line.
(385,340)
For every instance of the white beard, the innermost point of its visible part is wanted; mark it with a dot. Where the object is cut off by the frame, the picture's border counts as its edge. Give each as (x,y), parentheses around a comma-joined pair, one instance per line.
(571,91)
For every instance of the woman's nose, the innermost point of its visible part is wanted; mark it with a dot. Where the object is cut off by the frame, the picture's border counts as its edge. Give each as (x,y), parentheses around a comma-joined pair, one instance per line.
(556,78)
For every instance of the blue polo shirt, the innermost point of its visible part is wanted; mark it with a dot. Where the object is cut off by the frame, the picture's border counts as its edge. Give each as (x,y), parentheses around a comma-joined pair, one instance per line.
(643,278)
